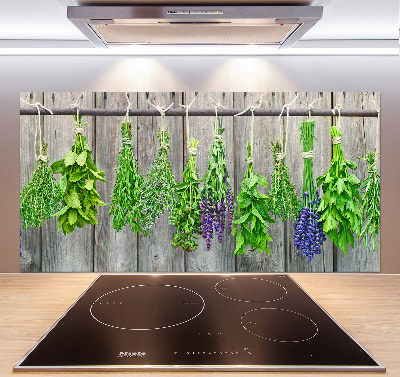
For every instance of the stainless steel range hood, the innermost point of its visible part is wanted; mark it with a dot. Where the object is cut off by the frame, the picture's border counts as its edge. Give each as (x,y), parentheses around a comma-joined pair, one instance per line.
(113,26)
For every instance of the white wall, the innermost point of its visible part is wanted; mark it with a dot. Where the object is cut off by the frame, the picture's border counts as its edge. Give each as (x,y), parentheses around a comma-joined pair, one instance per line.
(272,73)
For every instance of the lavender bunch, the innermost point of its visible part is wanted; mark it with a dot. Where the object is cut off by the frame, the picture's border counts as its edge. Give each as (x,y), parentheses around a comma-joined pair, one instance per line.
(308,228)
(217,197)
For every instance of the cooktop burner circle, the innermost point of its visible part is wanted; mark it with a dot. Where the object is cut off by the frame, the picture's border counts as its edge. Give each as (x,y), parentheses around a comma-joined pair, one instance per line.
(147,307)
(251,290)
(279,325)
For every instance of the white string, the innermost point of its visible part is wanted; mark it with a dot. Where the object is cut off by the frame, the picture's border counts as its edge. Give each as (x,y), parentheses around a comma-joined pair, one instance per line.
(127,108)
(310,106)
(309,154)
(287,107)
(216,107)
(336,140)
(337,107)
(38,105)
(378,136)
(252,109)
(78,129)
(162,112)
(192,151)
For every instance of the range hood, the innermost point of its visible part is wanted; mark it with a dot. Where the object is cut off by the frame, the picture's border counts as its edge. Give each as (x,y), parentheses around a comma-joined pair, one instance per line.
(115,26)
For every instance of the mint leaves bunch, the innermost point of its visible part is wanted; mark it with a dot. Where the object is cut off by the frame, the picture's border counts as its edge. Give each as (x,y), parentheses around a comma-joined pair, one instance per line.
(77,185)
(125,194)
(186,214)
(251,218)
(340,206)
(40,197)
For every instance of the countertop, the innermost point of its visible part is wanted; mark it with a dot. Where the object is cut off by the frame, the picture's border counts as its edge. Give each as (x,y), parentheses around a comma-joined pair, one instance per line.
(366,305)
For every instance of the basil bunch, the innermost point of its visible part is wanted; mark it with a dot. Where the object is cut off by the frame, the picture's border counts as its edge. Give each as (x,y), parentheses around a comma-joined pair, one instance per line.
(186,214)
(340,206)
(250,225)
(371,202)
(157,193)
(217,197)
(77,185)
(283,201)
(40,197)
(127,184)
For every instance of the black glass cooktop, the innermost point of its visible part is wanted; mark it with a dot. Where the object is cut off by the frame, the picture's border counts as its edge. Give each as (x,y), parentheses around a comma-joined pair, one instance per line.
(239,322)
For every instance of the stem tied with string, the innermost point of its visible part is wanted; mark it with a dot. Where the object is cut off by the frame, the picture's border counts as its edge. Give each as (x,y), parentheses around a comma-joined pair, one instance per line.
(77,184)
(128,182)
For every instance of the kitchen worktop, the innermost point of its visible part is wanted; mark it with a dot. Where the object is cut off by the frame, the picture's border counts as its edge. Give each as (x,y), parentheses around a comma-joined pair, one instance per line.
(366,305)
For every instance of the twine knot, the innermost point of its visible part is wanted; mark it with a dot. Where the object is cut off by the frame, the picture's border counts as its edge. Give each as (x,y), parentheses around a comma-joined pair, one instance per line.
(193,151)
(78,130)
(164,145)
(126,140)
(279,156)
(309,154)
(249,160)
(43,158)
(217,137)
(336,140)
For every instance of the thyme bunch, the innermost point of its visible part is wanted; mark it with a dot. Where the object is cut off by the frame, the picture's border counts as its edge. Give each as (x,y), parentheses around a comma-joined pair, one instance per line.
(283,201)
(157,193)
(40,197)
(77,184)
(251,218)
(371,202)
(186,214)
(217,197)
(340,206)
(125,194)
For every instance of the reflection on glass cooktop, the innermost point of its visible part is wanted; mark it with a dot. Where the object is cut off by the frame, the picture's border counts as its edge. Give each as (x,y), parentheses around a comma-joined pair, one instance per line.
(236,322)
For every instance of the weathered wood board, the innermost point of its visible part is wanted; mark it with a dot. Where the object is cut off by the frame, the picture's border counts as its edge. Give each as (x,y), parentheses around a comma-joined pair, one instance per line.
(101,248)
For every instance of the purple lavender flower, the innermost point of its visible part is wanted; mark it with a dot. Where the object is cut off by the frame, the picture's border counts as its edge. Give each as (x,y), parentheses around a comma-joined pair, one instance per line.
(308,233)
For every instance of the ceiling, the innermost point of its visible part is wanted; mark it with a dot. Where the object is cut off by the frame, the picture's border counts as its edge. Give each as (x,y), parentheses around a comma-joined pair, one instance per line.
(32,21)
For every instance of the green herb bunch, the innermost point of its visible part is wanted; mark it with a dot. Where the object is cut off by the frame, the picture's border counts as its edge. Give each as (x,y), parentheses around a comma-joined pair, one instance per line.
(186,214)
(125,194)
(77,185)
(157,193)
(251,218)
(371,203)
(283,201)
(217,197)
(40,197)
(340,206)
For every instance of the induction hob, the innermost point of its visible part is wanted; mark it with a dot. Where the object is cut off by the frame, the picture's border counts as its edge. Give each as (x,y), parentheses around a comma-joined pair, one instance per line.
(224,322)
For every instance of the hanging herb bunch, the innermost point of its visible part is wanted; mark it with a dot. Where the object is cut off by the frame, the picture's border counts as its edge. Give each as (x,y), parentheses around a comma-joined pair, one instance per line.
(40,197)
(125,194)
(77,184)
(340,207)
(283,201)
(217,197)
(157,193)
(186,214)
(308,233)
(251,218)
(371,202)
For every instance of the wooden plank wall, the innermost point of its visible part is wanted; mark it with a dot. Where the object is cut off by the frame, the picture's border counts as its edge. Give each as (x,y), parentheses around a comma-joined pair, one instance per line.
(100,248)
